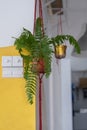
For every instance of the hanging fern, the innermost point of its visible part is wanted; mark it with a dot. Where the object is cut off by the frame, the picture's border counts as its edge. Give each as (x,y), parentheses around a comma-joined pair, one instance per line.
(60,39)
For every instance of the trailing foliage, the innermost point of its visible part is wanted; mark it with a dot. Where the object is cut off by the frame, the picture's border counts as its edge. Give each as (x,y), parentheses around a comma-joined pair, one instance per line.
(31,81)
(33,47)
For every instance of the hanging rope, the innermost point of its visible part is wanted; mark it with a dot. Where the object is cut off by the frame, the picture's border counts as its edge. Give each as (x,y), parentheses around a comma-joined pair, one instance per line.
(59,29)
(60,24)
(40,101)
(35,16)
(40,74)
(41,15)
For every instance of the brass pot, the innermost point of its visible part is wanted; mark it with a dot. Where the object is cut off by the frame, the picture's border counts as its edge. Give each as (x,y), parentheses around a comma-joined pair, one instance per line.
(60,51)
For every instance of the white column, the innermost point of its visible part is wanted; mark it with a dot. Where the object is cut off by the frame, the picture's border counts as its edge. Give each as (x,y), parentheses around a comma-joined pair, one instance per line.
(48,104)
(62,102)
(66,102)
(51,119)
(57,98)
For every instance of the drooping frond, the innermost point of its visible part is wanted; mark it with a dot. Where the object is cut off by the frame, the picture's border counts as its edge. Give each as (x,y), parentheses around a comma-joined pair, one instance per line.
(60,39)
(31,82)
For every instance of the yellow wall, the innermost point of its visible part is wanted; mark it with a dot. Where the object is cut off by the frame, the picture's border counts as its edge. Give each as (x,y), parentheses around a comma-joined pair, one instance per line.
(15,112)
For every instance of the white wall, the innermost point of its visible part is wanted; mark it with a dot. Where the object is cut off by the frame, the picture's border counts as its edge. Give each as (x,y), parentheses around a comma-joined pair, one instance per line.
(57,97)
(14,15)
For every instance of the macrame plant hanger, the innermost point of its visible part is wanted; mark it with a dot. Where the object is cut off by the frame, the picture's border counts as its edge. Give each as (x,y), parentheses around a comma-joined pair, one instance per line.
(59,23)
(39,3)
(59,29)
(61,48)
(40,75)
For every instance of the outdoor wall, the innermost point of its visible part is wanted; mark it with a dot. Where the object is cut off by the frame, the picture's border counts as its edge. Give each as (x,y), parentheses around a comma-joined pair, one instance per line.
(15,111)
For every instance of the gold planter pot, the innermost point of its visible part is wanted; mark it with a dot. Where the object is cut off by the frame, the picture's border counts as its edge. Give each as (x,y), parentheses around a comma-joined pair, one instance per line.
(60,51)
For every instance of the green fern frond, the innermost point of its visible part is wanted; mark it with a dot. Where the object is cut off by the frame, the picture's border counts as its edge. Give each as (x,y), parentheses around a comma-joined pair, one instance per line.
(60,39)
(31,81)
(73,42)
(38,29)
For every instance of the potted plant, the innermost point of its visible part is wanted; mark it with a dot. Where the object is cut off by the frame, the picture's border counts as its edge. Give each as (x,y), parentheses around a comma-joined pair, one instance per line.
(60,47)
(37,50)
